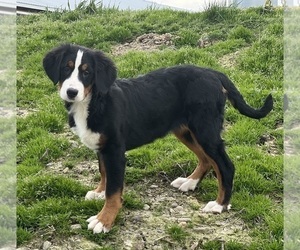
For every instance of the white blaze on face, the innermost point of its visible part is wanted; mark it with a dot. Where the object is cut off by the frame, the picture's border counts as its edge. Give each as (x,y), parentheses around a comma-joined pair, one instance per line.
(73,82)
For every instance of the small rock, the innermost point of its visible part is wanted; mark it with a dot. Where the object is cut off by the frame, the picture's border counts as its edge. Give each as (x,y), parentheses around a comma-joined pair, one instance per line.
(182,224)
(128,244)
(195,245)
(204,230)
(146,207)
(157,248)
(184,219)
(174,205)
(66,170)
(179,208)
(75,227)
(46,245)
(137,218)
(86,244)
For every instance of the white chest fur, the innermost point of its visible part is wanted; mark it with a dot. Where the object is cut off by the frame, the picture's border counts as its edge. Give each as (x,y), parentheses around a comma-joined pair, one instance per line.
(80,114)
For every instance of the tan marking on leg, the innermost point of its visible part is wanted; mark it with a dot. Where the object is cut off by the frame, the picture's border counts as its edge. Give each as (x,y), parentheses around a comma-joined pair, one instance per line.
(221,191)
(204,165)
(200,171)
(205,162)
(110,210)
(102,184)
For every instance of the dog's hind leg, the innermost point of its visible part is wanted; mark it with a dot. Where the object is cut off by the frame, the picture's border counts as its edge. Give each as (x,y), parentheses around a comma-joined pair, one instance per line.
(207,133)
(188,139)
(99,192)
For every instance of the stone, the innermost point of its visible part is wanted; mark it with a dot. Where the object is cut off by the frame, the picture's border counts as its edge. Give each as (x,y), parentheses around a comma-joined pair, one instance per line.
(46,245)
(146,207)
(75,227)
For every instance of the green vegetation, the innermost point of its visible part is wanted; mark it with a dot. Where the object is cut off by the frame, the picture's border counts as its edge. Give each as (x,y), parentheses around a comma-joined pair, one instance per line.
(50,202)
(177,233)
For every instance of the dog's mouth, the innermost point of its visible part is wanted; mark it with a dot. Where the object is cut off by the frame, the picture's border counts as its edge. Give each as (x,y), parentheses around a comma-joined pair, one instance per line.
(76,99)
(74,92)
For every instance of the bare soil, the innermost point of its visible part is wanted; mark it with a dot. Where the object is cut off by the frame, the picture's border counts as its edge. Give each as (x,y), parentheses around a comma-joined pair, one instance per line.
(147,42)
(146,228)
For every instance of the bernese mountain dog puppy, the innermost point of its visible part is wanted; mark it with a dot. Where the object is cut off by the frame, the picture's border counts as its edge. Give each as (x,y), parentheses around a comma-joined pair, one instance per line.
(111,116)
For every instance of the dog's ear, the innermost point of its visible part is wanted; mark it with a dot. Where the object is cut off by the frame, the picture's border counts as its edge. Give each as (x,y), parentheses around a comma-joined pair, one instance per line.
(105,74)
(52,62)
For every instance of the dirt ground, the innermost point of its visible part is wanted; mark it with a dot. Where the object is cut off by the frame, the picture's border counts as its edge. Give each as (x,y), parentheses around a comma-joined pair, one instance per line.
(146,228)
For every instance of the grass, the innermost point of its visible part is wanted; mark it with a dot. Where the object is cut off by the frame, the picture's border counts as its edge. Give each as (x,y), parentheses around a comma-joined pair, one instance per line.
(47,201)
(177,233)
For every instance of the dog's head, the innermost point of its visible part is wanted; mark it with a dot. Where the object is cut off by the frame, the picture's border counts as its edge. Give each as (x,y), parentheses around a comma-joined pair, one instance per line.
(78,70)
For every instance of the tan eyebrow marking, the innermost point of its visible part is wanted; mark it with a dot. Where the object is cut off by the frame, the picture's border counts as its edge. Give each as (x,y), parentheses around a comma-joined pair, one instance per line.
(84,67)
(71,64)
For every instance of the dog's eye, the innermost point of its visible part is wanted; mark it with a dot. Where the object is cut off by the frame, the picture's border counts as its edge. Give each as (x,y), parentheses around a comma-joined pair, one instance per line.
(86,73)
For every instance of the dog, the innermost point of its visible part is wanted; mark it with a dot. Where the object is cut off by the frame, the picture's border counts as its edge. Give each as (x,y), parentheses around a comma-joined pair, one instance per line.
(111,116)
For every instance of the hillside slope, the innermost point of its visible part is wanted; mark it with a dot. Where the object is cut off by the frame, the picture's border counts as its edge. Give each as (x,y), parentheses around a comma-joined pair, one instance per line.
(55,170)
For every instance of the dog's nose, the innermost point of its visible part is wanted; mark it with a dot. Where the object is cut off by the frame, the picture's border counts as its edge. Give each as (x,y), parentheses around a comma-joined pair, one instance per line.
(72,93)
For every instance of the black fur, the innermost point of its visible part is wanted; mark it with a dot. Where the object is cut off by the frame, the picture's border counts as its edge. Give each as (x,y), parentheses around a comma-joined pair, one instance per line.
(133,112)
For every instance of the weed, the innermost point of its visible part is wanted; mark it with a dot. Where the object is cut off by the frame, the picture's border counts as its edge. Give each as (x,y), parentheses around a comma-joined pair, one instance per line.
(212,245)
(44,187)
(132,200)
(240,32)
(216,12)
(177,233)
(23,235)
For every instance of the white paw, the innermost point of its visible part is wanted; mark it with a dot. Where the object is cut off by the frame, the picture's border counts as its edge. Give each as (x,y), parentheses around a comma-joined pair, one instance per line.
(96,225)
(214,207)
(92,195)
(185,184)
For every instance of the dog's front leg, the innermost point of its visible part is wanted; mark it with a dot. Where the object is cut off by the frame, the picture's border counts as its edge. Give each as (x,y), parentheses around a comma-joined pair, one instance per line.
(99,192)
(114,161)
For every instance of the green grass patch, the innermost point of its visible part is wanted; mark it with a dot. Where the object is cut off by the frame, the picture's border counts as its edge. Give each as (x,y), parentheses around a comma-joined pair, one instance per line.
(43,187)
(132,200)
(43,148)
(241,32)
(177,233)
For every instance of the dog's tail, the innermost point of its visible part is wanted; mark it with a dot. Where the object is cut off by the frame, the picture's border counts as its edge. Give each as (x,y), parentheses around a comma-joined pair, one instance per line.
(239,103)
